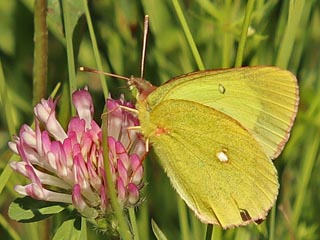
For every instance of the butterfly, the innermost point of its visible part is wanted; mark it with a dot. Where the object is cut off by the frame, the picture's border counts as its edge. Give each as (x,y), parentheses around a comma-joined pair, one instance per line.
(216,133)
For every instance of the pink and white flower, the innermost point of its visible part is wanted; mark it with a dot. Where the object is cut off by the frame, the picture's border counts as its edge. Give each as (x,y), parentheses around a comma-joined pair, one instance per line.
(67,166)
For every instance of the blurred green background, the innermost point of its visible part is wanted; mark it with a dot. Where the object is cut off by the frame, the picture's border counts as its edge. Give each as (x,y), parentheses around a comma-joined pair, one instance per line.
(283,33)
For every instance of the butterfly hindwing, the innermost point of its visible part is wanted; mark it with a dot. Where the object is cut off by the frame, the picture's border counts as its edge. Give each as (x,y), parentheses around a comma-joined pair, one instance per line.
(213,162)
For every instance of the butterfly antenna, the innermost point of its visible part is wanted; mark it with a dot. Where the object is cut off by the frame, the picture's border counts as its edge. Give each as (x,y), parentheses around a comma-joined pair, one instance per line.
(145,34)
(92,70)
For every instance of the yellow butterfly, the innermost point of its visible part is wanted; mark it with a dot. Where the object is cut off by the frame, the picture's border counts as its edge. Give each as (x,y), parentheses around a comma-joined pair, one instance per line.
(216,132)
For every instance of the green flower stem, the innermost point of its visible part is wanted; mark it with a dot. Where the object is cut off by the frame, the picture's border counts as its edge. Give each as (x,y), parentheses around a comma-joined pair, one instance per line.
(6,103)
(209,232)
(183,218)
(271,232)
(40,66)
(244,33)
(144,215)
(225,59)
(286,45)
(196,226)
(5,176)
(9,228)
(70,54)
(55,90)
(133,221)
(95,49)
(110,190)
(84,232)
(311,156)
(188,34)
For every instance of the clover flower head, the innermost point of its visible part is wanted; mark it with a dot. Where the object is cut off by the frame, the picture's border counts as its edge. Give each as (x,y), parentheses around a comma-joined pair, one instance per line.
(67,166)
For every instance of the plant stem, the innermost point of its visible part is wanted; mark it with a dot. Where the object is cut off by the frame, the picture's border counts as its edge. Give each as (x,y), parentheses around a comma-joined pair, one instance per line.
(188,34)
(40,66)
(110,189)
(209,232)
(183,218)
(286,45)
(244,33)
(95,49)
(70,54)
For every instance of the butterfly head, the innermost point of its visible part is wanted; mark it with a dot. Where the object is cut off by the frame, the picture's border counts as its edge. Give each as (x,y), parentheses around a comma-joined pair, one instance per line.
(141,87)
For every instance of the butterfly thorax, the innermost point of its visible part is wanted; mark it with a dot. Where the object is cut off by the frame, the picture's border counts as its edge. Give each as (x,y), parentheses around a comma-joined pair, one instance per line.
(148,128)
(143,88)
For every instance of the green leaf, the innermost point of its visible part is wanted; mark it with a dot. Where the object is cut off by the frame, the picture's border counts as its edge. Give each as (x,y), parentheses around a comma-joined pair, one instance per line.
(5,176)
(157,231)
(28,209)
(71,230)
(54,17)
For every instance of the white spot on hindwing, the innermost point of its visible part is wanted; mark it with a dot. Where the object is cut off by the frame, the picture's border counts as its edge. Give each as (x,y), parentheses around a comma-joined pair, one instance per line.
(222,155)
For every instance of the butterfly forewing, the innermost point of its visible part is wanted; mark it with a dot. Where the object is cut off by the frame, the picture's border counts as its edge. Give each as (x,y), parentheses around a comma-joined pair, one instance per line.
(262,99)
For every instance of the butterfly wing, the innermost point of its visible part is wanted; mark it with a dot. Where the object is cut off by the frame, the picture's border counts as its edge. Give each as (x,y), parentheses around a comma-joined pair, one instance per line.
(263,99)
(215,165)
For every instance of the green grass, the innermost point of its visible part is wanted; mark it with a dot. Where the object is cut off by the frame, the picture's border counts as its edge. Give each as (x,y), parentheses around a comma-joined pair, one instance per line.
(184,36)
